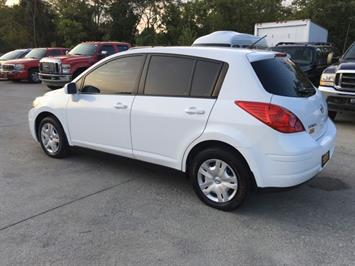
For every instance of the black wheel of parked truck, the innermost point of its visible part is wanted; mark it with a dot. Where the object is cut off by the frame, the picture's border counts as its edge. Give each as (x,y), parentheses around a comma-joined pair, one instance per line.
(332,114)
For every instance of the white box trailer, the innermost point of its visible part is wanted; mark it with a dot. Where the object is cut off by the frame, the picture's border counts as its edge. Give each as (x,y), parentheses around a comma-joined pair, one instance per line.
(291,31)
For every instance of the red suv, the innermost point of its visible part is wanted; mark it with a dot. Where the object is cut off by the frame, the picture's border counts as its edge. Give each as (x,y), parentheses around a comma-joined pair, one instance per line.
(56,72)
(27,68)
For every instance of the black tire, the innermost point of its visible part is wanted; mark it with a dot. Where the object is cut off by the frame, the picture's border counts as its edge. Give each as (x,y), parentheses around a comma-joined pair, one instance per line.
(63,146)
(33,76)
(77,73)
(239,167)
(53,87)
(332,114)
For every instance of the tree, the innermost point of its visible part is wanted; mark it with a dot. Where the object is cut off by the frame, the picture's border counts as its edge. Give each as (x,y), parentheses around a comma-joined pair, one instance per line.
(122,21)
(336,16)
(39,20)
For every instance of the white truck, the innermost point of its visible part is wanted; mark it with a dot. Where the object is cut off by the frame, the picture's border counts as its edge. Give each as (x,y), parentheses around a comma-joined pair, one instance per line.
(291,31)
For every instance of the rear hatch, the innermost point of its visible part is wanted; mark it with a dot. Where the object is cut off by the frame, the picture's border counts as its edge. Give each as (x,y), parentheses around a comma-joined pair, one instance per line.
(291,89)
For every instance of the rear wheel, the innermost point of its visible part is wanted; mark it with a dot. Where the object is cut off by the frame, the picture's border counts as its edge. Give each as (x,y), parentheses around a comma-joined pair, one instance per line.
(332,114)
(52,138)
(220,178)
(33,76)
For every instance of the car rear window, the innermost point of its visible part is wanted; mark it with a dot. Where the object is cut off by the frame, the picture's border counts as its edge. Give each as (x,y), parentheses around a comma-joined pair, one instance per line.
(280,76)
(205,78)
(169,76)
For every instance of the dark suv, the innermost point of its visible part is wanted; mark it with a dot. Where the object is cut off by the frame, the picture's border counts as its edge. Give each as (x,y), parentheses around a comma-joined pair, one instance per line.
(312,58)
(338,84)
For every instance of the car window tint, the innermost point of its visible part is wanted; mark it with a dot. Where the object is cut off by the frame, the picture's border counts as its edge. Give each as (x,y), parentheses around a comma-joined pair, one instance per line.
(119,76)
(109,49)
(205,77)
(280,76)
(122,48)
(169,76)
(54,52)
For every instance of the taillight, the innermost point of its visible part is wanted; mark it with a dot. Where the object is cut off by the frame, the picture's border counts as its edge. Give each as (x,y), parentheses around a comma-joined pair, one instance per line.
(274,116)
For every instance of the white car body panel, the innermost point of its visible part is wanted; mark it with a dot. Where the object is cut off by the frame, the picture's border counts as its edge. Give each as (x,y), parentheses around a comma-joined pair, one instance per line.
(101,121)
(162,129)
(158,130)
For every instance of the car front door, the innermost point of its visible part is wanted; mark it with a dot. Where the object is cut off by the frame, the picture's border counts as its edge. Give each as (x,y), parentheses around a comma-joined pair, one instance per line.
(99,116)
(172,107)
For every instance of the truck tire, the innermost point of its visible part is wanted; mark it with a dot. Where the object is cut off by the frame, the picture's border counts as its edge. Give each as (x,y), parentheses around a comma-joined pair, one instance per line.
(53,87)
(33,76)
(332,114)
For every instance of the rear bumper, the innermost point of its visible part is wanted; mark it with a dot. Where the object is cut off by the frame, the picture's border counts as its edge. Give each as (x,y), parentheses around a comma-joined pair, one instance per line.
(281,170)
(55,79)
(338,100)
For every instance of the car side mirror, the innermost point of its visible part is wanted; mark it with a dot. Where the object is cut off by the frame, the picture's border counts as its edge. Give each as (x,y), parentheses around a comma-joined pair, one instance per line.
(331,59)
(102,55)
(70,88)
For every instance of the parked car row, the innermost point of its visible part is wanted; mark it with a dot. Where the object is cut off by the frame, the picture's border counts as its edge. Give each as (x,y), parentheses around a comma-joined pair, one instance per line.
(55,66)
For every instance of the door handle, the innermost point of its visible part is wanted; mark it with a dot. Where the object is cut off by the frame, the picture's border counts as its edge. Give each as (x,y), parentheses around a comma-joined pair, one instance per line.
(194,111)
(120,106)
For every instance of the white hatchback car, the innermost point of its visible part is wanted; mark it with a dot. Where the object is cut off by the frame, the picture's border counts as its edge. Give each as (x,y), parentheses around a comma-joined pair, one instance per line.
(230,118)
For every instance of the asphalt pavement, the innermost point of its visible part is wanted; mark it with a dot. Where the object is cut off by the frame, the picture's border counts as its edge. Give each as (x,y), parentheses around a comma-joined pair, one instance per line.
(98,209)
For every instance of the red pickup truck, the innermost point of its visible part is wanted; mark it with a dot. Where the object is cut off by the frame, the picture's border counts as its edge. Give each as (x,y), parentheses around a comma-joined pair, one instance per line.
(27,68)
(56,72)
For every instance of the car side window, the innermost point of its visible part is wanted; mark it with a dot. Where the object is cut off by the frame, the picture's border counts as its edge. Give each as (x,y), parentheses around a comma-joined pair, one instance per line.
(119,76)
(205,78)
(169,76)
(109,49)
(122,48)
(54,53)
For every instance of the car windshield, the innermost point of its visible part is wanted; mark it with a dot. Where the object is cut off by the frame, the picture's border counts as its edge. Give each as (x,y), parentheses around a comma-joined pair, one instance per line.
(38,53)
(12,55)
(280,76)
(300,55)
(83,49)
(350,54)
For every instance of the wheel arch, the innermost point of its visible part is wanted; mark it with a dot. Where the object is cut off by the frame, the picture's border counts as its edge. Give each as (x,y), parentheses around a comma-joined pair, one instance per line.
(41,116)
(193,151)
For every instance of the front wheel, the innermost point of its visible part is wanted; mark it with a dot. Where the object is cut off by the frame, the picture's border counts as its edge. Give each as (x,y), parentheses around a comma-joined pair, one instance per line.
(220,178)
(33,76)
(332,115)
(52,138)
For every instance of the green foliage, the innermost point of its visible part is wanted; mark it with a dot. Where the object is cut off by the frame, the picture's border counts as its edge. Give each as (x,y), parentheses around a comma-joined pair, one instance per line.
(159,22)
(336,16)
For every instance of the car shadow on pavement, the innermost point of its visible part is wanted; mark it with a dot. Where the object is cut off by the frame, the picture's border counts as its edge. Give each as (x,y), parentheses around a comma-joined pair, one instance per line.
(310,203)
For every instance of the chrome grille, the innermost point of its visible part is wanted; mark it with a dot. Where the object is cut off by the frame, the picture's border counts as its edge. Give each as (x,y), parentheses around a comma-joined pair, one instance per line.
(49,68)
(345,82)
(8,67)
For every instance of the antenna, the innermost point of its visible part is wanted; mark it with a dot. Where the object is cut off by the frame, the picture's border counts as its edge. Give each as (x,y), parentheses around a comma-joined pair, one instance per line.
(258,40)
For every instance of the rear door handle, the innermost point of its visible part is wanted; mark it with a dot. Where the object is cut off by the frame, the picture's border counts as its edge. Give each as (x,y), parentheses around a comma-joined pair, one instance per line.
(194,111)
(120,106)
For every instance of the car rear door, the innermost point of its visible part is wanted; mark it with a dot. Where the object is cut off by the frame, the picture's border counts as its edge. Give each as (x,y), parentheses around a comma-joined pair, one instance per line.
(99,116)
(173,106)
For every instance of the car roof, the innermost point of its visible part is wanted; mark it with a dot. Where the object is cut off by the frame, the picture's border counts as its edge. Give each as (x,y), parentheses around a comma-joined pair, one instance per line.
(304,44)
(226,54)
(107,42)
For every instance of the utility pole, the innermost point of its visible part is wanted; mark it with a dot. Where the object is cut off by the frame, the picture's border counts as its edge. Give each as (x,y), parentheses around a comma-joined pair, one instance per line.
(34,14)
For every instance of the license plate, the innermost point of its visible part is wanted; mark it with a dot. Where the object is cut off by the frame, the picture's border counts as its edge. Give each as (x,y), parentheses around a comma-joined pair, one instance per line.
(325,158)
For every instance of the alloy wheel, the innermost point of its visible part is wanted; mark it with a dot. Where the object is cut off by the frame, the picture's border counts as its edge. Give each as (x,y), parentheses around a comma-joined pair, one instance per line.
(50,138)
(217,180)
